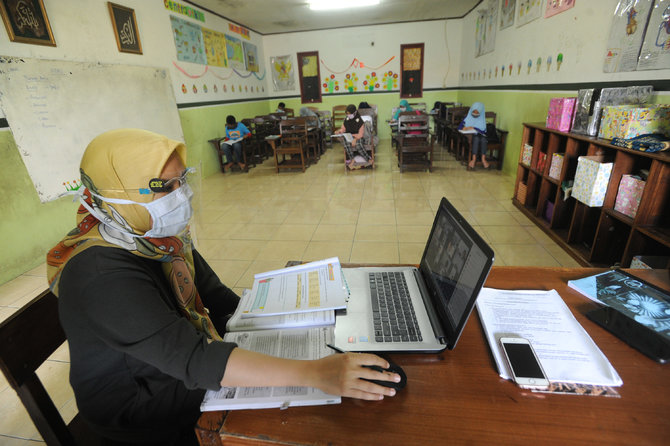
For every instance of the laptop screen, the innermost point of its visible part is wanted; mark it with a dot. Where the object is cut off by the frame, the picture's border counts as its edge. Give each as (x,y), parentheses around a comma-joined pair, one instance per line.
(454,266)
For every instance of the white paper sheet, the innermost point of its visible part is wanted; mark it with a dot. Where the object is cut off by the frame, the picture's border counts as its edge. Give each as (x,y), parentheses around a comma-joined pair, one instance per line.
(566,351)
(292,344)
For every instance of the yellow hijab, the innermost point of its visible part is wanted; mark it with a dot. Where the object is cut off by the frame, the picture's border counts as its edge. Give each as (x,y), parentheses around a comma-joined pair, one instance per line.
(117,164)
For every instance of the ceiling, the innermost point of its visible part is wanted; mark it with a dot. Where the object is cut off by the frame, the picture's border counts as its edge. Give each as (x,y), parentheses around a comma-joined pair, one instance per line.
(287,16)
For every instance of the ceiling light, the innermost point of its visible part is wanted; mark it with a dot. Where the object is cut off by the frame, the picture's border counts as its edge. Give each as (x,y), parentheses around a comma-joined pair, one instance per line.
(322,5)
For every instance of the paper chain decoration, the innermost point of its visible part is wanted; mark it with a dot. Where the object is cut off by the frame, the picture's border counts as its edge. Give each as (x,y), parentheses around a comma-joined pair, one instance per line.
(233,70)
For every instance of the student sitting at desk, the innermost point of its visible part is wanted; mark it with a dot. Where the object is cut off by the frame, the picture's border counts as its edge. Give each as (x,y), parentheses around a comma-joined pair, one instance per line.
(354,124)
(403,107)
(143,311)
(235,130)
(281,108)
(476,120)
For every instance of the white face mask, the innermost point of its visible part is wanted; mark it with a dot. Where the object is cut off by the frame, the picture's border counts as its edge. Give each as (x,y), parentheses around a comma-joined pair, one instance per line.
(350,116)
(170,214)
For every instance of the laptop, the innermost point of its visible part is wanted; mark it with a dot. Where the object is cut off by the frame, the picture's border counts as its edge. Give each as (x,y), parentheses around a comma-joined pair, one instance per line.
(434,300)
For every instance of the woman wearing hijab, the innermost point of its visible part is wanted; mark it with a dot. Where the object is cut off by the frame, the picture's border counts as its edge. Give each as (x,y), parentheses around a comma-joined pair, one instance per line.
(403,107)
(144,312)
(476,120)
(354,124)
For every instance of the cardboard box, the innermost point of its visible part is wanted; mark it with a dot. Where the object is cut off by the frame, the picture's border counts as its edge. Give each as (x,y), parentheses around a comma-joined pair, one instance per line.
(560,114)
(650,262)
(521,193)
(556,165)
(527,154)
(629,121)
(591,180)
(629,195)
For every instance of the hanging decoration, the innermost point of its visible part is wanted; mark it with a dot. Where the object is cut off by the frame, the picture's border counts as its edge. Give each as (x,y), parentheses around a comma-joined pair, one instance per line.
(207,70)
(557,6)
(185,10)
(356,64)
(283,76)
(330,84)
(507,13)
(390,80)
(528,11)
(351,82)
(188,41)
(485,29)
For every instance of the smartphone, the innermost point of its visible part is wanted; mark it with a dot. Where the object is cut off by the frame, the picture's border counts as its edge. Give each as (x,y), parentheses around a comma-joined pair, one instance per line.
(526,368)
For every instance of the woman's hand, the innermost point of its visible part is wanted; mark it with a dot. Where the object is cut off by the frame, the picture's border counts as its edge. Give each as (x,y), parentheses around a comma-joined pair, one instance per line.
(341,375)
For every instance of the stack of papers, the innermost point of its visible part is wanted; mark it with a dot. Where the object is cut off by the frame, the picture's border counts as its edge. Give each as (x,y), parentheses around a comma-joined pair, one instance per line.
(289,313)
(566,351)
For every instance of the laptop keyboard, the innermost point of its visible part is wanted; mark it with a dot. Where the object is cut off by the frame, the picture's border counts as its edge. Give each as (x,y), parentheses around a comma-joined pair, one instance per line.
(392,310)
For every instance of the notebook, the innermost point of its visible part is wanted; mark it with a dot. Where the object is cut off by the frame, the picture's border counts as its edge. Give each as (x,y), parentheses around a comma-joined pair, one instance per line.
(442,291)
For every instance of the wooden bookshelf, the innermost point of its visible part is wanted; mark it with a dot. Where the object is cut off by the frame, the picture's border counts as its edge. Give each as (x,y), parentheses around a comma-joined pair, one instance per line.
(595,236)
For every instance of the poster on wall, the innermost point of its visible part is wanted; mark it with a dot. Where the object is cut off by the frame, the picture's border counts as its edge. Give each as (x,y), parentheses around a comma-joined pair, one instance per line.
(250,56)
(235,53)
(626,35)
(215,47)
(527,11)
(507,8)
(283,76)
(310,73)
(485,29)
(411,70)
(655,53)
(188,41)
(557,6)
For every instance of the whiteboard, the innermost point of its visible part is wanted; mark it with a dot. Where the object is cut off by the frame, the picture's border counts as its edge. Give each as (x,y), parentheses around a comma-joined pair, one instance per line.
(55,108)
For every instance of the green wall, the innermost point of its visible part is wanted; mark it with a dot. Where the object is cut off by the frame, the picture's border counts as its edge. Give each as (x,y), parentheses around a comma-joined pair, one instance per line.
(28,227)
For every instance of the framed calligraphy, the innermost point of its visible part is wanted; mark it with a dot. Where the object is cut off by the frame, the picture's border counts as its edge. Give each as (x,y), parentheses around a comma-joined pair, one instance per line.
(125,28)
(26,22)
(411,70)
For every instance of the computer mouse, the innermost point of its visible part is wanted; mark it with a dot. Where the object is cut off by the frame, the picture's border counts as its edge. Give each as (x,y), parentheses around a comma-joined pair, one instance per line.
(394,368)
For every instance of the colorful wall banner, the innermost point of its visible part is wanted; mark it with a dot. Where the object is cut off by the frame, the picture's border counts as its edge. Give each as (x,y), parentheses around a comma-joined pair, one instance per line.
(215,47)
(241,30)
(185,10)
(234,52)
(188,41)
(250,56)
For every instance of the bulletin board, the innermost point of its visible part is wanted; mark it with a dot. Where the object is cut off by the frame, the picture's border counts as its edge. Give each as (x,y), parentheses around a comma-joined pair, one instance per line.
(310,75)
(55,108)
(411,70)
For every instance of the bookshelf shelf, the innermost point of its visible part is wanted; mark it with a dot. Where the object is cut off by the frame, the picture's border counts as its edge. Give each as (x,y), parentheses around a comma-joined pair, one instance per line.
(595,236)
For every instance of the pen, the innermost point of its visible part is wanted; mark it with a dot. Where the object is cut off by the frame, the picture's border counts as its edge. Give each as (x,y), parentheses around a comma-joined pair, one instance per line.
(335,348)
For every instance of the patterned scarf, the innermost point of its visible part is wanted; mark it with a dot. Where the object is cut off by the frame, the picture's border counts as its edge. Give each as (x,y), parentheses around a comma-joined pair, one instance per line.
(117,164)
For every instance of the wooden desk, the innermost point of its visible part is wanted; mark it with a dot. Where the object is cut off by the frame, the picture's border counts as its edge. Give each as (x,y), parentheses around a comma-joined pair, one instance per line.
(457,397)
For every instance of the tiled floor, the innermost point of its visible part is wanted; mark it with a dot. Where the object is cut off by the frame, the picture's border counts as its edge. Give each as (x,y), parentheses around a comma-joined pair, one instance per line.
(257,221)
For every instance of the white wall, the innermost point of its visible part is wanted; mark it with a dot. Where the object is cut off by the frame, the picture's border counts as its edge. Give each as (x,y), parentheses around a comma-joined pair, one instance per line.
(83,31)
(337,48)
(580,33)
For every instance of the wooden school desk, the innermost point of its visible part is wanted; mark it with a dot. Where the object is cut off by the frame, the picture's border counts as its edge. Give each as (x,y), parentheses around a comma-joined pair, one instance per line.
(457,397)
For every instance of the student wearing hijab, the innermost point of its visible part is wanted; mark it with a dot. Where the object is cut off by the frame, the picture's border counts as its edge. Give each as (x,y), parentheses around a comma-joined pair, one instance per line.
(476,120)
(403,107)
(143,311)
(354,124)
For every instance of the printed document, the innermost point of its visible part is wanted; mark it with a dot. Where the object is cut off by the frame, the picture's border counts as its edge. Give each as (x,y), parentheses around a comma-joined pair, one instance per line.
(293,320)
(303,288)
(232,141)
(347,136)
(292,344)
(566,351)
